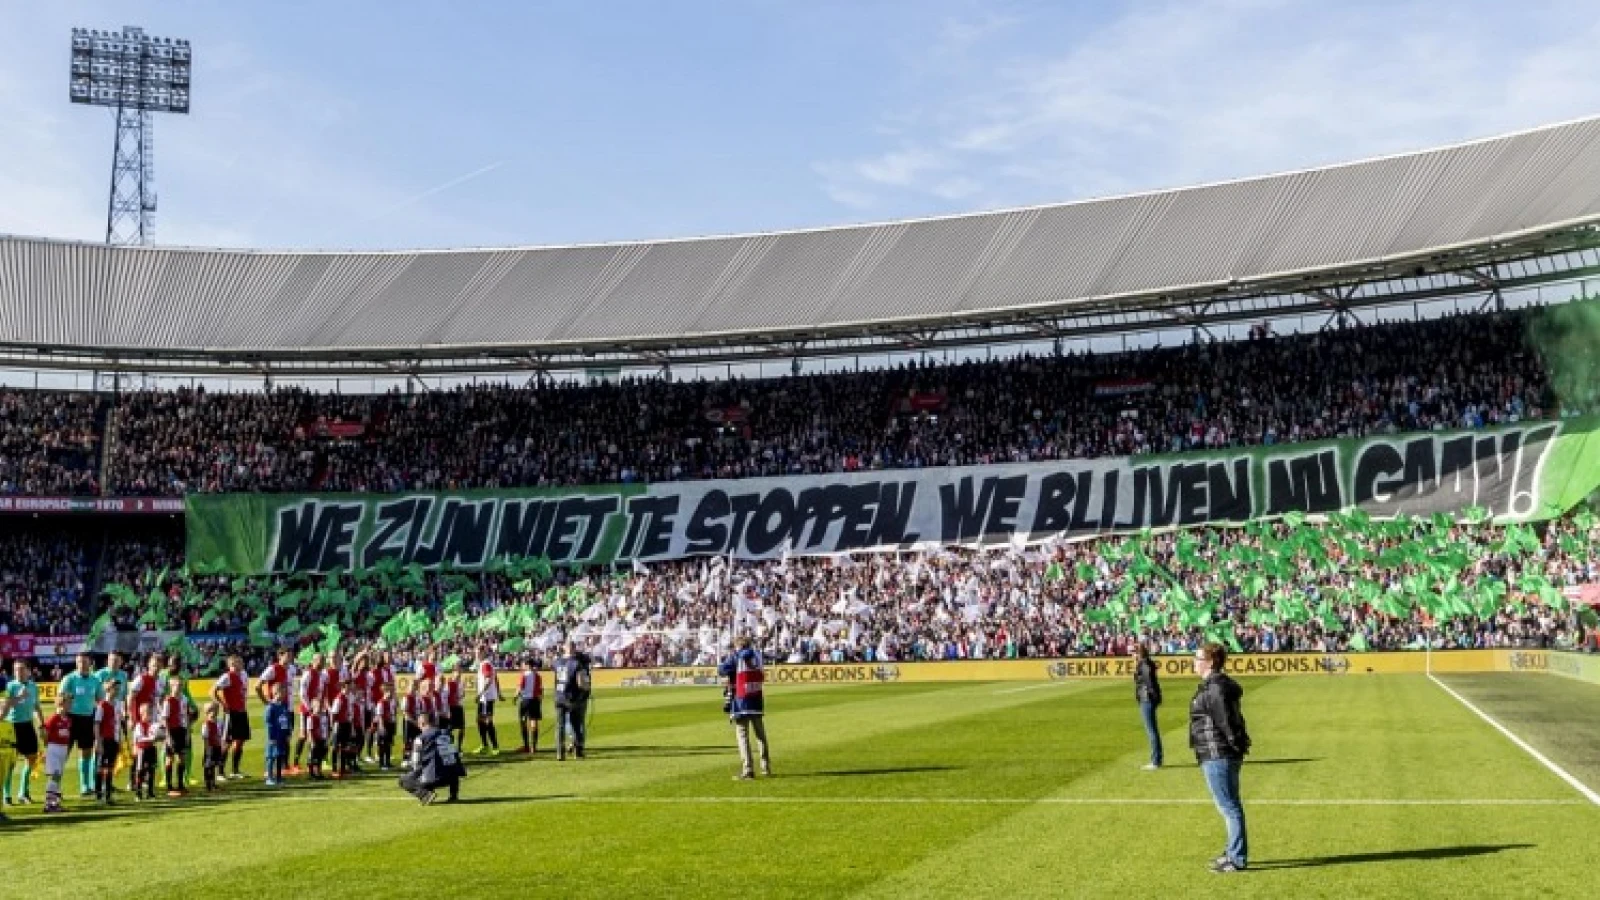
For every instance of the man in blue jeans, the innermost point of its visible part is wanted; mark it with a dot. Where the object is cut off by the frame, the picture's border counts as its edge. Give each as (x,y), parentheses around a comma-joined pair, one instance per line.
(1147,690)
(1220,742)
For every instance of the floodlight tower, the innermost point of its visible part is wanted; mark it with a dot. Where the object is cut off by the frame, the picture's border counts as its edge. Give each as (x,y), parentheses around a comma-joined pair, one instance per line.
(135,75)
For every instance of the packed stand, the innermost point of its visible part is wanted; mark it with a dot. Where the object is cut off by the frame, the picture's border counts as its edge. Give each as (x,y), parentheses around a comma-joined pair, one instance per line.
(43,579)
(1461,372)
(943,605)
(49,443)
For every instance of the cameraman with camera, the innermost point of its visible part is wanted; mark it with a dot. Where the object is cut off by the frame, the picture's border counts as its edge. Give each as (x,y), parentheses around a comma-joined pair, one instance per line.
(743,702)
(573,682)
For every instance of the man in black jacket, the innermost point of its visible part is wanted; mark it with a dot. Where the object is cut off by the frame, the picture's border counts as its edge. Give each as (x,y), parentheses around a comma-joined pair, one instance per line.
(1219,739)
(436,764)
(573,683)
(1147,690)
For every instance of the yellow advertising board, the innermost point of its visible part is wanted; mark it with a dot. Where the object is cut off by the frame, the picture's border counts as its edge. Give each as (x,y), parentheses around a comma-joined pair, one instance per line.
(1577,666)
(1571,665)
(1097,668)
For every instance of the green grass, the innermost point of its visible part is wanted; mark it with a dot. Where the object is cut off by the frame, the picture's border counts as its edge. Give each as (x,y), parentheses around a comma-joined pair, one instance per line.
(970,790)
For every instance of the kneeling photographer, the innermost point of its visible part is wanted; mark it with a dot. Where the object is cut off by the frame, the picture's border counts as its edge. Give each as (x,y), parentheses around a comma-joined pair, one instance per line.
(435,764)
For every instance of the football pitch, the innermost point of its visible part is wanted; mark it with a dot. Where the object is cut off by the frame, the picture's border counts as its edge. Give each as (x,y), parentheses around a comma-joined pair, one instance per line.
(1374,786)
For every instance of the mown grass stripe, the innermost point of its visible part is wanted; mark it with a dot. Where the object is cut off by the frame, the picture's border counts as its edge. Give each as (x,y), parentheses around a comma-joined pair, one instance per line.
(1526,747)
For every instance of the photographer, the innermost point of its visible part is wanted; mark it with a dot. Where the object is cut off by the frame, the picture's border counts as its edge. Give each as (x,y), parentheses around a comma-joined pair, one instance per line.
(743,702)
(436,764)
(572,700)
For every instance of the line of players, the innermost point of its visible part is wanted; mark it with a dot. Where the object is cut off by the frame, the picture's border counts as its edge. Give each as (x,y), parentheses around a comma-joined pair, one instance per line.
(345,713)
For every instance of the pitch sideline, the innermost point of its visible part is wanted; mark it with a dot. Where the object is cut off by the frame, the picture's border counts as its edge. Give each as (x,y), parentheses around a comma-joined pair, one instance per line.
(1543,760)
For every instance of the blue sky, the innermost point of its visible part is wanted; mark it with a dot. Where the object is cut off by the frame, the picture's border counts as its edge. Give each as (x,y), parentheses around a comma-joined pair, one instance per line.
(406,124)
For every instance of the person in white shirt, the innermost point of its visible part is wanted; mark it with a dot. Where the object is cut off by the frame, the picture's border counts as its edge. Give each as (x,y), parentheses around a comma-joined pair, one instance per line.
(488,693)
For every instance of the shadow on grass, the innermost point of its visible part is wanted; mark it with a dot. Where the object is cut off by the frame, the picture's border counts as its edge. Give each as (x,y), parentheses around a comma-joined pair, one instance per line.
(1253,762)
(128,807)
(125,807)
(662,749)
(892,770)
(1423,853)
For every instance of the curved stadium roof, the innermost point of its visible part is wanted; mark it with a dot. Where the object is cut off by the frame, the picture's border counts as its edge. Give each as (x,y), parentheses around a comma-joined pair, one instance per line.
(1462,217)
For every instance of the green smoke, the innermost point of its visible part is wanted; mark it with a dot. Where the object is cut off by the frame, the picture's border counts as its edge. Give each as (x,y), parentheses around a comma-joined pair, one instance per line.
(1567,338)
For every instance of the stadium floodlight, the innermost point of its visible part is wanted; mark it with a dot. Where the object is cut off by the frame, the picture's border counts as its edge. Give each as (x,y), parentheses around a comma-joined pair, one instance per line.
(134,75)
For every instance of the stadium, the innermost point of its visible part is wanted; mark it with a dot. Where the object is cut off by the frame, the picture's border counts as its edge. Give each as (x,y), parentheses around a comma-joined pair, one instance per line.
(933,501)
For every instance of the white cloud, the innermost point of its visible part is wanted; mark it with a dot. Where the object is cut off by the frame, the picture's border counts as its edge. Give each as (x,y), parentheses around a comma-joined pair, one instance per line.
(1187,92)
(899,168)
(959,34)
(957,188)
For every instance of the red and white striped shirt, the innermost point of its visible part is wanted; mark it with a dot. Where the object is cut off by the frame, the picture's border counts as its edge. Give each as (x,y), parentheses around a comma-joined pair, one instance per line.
(333,683)
(274,674)
(232,685)
(146,734)
(367,685)
(381,676)
(175,713)
(340,708)
(530,687)
(311,688)
(143,692)
(433,705)
(488,682)
(106,720)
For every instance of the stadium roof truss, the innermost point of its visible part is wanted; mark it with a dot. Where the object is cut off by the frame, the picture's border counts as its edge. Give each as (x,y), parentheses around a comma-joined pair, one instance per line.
(1474,219)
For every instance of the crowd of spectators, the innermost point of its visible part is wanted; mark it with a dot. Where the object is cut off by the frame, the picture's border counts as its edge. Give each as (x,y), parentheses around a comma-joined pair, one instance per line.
(950,604)
(43,578)
(49,443)
(1465,371)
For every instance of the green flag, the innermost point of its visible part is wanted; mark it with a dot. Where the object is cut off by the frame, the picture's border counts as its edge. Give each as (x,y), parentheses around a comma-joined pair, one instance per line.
(1491,594)
(394,630)
(258,632)
(121,596)
(99,627)
(1098,616)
